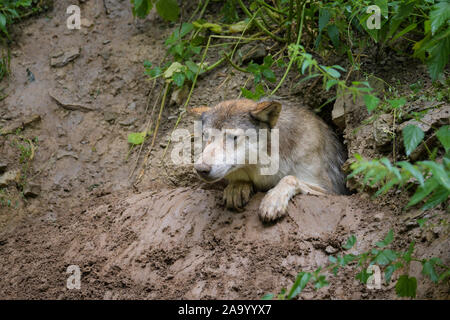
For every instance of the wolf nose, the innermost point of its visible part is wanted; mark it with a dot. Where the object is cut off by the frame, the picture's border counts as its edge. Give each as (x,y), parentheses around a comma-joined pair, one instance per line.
(202,169)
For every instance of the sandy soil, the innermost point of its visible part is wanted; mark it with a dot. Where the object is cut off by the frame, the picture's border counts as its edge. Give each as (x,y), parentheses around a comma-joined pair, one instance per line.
(167,237)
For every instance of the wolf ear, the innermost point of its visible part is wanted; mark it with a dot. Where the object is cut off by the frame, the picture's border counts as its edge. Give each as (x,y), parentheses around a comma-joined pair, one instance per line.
(199,110)
(268,112)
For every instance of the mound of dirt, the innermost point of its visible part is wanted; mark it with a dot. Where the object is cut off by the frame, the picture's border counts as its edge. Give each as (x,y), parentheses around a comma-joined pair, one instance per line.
(179,243)
(171,238)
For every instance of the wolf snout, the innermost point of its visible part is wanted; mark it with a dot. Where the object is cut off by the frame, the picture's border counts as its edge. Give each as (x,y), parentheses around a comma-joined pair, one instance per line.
(202,169)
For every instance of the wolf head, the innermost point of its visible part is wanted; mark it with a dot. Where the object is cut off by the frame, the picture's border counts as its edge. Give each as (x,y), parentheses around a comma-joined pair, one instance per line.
(232,136)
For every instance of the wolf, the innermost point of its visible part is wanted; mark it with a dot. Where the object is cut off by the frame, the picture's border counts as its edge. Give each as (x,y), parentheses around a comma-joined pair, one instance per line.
(309,161)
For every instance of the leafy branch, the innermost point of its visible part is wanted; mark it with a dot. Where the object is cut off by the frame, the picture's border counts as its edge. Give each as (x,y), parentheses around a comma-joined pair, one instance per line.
(388,259)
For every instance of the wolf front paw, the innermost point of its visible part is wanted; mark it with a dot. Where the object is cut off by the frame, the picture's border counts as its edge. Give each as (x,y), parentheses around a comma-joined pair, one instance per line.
(273,206)
(237,194)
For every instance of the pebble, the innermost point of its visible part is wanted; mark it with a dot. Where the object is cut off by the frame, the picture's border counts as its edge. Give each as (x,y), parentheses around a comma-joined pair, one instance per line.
(32,190)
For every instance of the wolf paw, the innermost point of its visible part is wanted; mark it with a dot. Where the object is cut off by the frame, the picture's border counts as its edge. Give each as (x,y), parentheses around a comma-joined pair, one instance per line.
(237,194)
(273,206)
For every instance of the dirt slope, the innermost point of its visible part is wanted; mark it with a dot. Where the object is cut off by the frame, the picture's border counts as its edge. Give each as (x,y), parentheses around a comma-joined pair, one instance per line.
(168,237)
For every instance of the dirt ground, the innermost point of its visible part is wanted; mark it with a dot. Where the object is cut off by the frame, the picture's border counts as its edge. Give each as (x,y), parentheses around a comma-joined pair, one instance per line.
(166,237)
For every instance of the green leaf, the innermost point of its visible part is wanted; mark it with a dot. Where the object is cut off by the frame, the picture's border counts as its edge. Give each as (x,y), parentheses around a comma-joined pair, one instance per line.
(412,136)
(333,33)
(178,79)
(406,286)
(192,66)
(439,15)
(321,282)
(371,102)
(172,69)
(439,173)
(405,31)
(403,12)
(332,72)
(438,57)
(268,296)
(440,195)
(168,9)
(306,63)
(385,257)
(141,8)
(444,275)
(330,83)
(397,103)
(258,94)
(137,138)
(363,276)
(3,23)
(428,269)
(154,72)
(350,242)
(324,17)
(422,222)
(387,240)
(300,283)
(269,75)
(390,270)
(443,134)
(412,170)
(407,256)
(423,191)
(383,4)
(268,61)
(185,29)
(348,258)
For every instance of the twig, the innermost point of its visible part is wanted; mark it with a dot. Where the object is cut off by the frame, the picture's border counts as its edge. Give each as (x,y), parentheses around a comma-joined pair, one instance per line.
(291,61)
(149,123)
(234,65)
(258,24)
(147,156)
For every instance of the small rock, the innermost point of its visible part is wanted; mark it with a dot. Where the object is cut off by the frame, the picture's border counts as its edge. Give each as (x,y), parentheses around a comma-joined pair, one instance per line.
(382,130)
(66,104)
(62,153)
(378,217)
(429,235)
(344,106)
(179,96)
(3,167)
(338,113)
(331,250)
(110,116)
(9,177)
(20,124)
(434,117)
(58,54)
(411,225)
(68,56)
(32,190)
(128,121)
(251,52)
(86,23)
(50,217)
